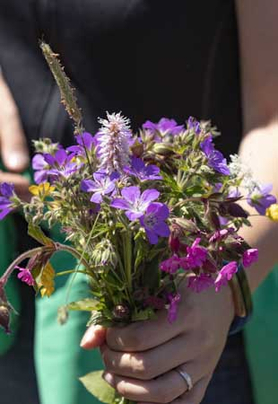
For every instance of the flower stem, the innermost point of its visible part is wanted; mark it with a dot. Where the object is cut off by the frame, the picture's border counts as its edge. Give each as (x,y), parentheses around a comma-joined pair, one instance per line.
(17,261)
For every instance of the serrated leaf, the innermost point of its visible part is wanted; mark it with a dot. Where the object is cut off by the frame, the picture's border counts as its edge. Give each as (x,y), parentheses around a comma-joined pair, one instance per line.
(37,233)
(95,384)
(87,304)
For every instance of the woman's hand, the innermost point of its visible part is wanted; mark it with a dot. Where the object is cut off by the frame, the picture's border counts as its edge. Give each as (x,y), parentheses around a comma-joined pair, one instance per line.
(140,359)
(13,147)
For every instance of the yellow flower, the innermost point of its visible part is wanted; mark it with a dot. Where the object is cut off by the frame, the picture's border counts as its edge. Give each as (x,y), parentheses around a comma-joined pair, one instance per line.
(272,212)
(41,190)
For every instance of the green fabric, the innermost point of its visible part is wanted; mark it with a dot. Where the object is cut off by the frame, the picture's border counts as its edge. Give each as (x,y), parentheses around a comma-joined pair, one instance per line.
(58,357)
(261,336)
(7,249)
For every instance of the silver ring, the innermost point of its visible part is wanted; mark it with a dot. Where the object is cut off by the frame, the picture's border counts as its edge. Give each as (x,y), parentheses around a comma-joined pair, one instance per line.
(186,377)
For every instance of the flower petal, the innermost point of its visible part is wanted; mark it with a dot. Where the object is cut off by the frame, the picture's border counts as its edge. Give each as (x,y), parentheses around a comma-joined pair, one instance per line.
(131,194)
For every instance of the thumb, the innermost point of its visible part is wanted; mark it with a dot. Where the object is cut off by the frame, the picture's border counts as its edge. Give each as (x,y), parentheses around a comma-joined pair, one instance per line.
(13,145)
(94,337)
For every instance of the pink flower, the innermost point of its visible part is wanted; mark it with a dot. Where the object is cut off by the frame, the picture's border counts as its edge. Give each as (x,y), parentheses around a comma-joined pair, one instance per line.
(171,265)
(249,257)
(225,275)
(173,306)
(25,276)
(198,283)
(196,254)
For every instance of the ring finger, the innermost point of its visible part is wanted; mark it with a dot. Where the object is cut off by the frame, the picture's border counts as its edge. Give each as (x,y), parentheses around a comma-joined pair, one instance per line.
(163,389)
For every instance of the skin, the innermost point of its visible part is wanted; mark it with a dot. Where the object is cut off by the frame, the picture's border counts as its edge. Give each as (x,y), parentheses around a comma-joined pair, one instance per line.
(13,146)
(140,358)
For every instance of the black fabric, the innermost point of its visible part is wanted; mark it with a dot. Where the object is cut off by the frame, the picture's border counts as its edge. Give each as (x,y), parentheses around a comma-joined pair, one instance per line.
(146,58)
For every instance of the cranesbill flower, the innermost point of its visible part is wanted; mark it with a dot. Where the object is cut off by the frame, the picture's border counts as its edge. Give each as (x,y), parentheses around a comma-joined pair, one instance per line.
(173,306)
(62,164)
(102,184)
(196,254)
(261,199)
(113,143)
(154,222)
(41,168)
(165,126)
(171,265)
(198,283)
(250,256)
(25,275)
(84,140)
(216,159)
(225,275)
(6,206)
(143,172)
(133,202)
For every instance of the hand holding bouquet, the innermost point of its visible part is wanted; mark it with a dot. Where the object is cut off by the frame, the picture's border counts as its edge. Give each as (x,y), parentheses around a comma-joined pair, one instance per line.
(142,212)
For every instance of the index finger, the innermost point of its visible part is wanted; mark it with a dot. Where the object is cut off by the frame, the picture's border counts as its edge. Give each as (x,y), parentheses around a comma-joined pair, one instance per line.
(143,335)
(14,150)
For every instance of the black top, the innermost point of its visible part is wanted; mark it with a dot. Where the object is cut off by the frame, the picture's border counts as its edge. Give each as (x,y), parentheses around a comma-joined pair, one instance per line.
(146,58)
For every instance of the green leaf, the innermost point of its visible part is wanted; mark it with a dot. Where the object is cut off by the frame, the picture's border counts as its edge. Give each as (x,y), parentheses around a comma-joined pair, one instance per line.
(95,384)
(87,304)
(37,233)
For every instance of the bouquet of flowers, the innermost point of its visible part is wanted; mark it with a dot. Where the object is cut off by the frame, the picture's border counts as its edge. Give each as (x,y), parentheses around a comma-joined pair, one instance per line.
(142,212)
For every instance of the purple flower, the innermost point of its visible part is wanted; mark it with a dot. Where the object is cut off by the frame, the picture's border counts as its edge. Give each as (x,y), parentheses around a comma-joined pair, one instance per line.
(196,254)
(261,199)
(41,168)
(216,159)
(153,222)
(171,265)
(198,283)
(193,124)
(103,184)
(85,140)
(250,256)
(140,170)
(220,235)
(26,276)
(165,126)
(225,275)
(7,191)
(133,202)
(173,306)
(62,164)
(113,141)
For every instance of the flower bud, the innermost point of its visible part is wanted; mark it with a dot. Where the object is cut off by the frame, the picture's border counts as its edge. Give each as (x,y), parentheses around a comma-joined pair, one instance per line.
(137,149)
(121,313)
(162,148)
(236,210)
(5,315)
(5,310)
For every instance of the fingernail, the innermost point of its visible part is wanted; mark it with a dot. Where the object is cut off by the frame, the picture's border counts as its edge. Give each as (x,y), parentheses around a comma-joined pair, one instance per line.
(109,378)
(16,160)
(86,338)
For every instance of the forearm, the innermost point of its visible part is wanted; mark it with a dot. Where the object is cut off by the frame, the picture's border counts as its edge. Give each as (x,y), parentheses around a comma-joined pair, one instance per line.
(259,150)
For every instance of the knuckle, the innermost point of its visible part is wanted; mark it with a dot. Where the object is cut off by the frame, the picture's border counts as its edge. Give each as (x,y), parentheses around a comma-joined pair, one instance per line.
(124,339)
(143,367)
